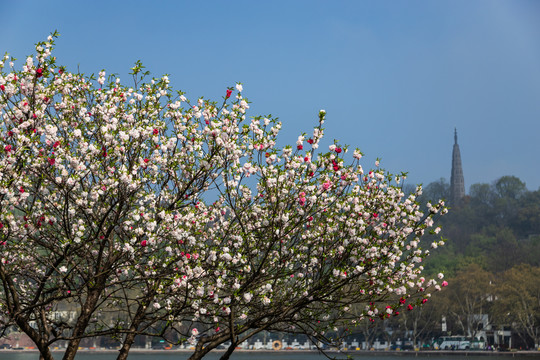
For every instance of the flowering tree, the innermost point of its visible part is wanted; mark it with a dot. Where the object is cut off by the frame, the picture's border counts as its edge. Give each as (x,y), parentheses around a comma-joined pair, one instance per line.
(95,182)
(187,217)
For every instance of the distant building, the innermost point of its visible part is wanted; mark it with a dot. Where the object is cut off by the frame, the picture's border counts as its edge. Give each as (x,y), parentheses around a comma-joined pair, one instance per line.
(457,183)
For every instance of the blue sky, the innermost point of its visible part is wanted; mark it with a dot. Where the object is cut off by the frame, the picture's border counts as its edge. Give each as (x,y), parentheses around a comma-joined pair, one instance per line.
(395,77)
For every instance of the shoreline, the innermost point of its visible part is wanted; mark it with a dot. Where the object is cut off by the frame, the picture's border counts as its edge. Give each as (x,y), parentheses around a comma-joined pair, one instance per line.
(348,352)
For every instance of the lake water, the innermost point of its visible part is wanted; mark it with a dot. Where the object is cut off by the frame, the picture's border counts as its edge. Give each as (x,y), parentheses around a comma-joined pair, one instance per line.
(279,355)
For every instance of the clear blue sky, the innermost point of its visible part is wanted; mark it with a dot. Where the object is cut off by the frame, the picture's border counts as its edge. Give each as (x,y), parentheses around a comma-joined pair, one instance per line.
(395,77)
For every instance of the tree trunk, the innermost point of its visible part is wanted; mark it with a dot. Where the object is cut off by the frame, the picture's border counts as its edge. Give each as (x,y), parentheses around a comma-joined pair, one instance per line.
(40,339)
(201,350)
(45,353)
(126,346)
(130,337)
(84,318)
(37,338)
(198,354)
(228,353)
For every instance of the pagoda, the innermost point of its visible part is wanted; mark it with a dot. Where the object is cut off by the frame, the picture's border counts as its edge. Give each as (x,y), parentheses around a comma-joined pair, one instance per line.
(457,183)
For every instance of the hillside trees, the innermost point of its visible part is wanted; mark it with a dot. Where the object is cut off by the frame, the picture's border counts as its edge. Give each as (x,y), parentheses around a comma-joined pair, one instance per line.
(496,229)
(496,226)
(148,213)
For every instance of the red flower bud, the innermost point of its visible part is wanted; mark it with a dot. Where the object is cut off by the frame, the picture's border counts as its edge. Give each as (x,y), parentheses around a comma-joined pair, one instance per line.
(300,147)
(39,72)
(143,243)
(228,95)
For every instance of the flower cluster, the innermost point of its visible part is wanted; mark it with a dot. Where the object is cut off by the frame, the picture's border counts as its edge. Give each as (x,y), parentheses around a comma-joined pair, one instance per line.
(114,197)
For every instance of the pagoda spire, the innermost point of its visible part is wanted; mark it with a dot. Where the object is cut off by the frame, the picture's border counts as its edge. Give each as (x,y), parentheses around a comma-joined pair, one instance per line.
(457,183)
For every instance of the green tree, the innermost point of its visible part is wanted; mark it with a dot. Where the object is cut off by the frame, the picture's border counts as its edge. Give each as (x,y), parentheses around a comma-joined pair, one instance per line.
(468,297)
(528,214)
(518,301)
(435,190)
(510,187)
